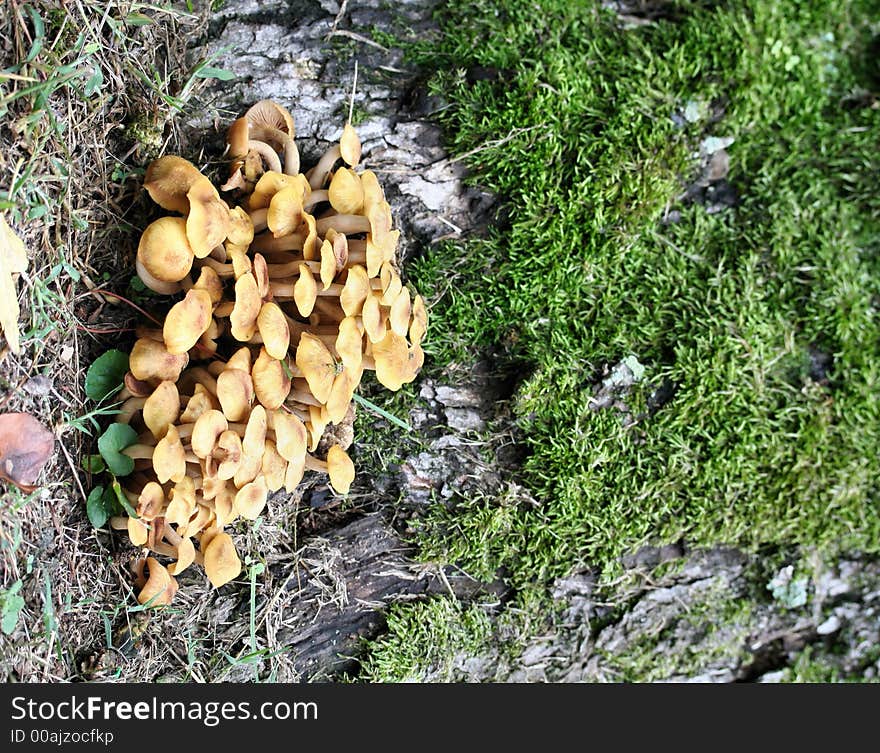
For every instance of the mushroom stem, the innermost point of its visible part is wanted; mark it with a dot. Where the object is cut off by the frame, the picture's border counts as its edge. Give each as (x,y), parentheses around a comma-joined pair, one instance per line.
(343,223)
(267,243)
(287,269)
(129,408)
(259,219)
(313,464)
(267,153)
(320,171)
(316,197)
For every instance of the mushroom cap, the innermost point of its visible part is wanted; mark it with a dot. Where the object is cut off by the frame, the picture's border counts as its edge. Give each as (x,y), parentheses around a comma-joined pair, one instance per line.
(221,560)
(251,498)
(311,240)
(340,468)
(274,330)
(344,385)
(317,365)
(168,179)
(207,430)
(207,223)
(248,303)
(328,264)
(240,227)
(150,360)
(169,457)
(271,382)
(416,361)
(268,113)
(270,183)
(355,290)
(373,318)
(318,420)
(230,444)
(235,391)
(241,359)
(137,531)
(161,408)
(291,437)
(274,467)
(285,211)
(261,275)
(241,262)
(187,321)
(210,282)
(373,193)
(350,146)
(340,247)
(181,501)
(400,312)
(186,554)
(392,360)
(202,400)
(224,505)
(350,341)
(255,432)
(305,291)
(419,324)
(150,502)
(375,257)
(391,284)
(294,473)
(160,587)
(346,193)
(237,138)
(137,387)
(164,250)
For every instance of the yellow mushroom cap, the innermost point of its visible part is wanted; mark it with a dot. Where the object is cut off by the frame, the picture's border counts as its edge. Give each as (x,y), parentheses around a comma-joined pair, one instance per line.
(416,360)
(274,330)
(350,342)
(221,560)
(150,501)
(241,262)
(285,211)
(241,359)
(294,473)
(235,391)
(305,291)
(290,436)
(150,360)
(181,501)
(169,457)
(392,360)
(317,365)
(208,428)
(373,193)
(237,137)
(255,433)
(344,385)
(187,321)
(160,587)
(201,401)
(346,193)
(240,227)
(340,468)
(229,444)
(161,408)
(248,303)
(419,324)
(373,318)
(186,554)
(261,275)
(318,420)
(311,241)
(251,499)
(355,290)
(270,183)
(328,264)
(164,251)
(267,115)
(207,223)
(274,467)
(271,383)
(375,257)
(391,284)
(400,313)
(210,282)
(350,146)
(168,179)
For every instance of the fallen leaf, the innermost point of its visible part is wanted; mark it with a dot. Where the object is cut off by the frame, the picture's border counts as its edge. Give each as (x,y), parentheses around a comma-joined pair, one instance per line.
(13,261)
(25,447)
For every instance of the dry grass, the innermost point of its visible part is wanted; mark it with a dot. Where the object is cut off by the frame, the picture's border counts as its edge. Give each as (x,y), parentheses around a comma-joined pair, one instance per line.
(89,94)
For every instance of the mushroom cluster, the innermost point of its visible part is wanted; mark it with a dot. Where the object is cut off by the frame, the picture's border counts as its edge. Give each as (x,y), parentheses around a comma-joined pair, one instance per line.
(287,292)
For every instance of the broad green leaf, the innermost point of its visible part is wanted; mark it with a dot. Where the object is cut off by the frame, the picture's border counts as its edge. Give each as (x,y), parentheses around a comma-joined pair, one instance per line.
(93,464)
(95,507)
(106,374)
(111,443)
(11,604)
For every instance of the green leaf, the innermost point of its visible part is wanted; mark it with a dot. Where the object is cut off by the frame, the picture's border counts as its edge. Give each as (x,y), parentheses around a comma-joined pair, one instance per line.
(138,19)
(93,464)
(96,80)
(381,411)
(121,499)
(106,374)
(11,604)
(210,72)
(111,443)
(95,507)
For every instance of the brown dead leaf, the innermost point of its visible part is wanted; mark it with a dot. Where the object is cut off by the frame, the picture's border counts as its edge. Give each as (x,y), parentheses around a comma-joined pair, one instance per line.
(13,261)
(25,447)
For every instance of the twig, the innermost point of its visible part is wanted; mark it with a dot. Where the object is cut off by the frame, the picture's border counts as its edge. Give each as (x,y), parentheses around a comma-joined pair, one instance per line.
(357,37)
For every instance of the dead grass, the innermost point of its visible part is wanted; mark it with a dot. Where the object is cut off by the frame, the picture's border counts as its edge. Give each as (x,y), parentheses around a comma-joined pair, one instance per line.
(88,94)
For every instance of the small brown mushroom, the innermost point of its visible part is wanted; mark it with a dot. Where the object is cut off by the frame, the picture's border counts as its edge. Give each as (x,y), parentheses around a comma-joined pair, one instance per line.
(207,223)
(290,435)
(150,360)
(168,179)
(248,303)
(206,431)
(317,365)
(235,391)
(346,194)
(350,342)
(305,291)
(169,457)
(419,324)
(160,587)
(164,251)
(271,383)
(354,293)
(392,360)
(221,560)
(187,321)
(273,327)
